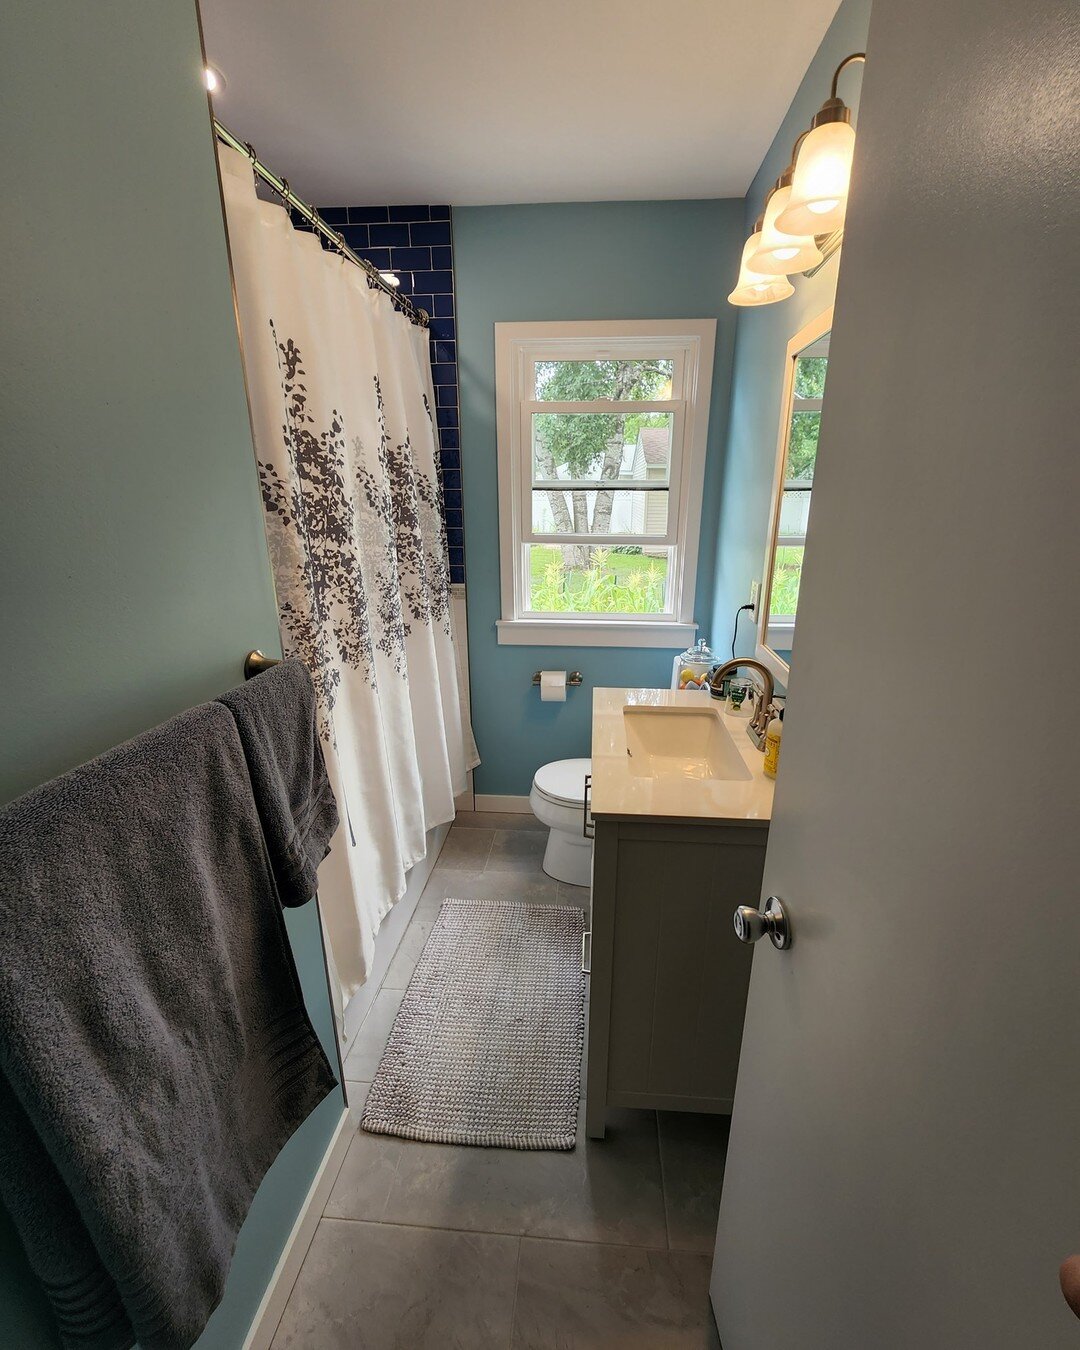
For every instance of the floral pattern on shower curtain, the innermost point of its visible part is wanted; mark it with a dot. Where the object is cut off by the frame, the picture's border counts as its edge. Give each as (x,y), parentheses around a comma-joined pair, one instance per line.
(340,389)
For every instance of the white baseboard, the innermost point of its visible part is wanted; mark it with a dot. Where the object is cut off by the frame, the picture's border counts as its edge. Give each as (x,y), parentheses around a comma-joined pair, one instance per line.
(391,931)
(518,806)
(269,1312)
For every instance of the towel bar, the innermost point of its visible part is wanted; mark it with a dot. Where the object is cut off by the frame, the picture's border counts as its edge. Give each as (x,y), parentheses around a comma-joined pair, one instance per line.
(255,663)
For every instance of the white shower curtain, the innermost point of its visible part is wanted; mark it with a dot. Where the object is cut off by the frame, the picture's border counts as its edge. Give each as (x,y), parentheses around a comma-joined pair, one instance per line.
(342,409)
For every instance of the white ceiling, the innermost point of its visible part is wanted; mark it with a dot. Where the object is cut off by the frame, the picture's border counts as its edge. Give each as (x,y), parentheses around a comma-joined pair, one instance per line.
(484,101)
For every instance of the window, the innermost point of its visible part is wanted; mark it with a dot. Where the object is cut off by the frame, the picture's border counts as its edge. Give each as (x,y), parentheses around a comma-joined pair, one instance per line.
(602,432)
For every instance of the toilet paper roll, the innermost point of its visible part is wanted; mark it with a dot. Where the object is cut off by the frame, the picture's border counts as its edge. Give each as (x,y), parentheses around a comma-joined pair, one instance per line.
(553,686)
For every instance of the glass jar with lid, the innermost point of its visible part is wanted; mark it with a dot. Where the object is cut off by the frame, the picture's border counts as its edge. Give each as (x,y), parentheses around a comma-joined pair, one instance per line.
(690,669)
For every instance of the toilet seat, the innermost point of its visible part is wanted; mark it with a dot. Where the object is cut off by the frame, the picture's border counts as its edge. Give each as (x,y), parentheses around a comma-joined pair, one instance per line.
(562,782)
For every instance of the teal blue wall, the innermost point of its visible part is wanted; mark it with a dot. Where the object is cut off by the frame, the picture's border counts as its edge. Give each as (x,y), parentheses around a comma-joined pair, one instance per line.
(761,345)
(593,260)
(132,558)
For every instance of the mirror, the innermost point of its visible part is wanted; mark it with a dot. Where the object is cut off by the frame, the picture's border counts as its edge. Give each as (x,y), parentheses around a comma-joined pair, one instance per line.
(805,371)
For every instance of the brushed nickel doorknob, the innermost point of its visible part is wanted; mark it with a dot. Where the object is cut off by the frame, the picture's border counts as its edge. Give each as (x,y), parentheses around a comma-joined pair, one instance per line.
(751,924)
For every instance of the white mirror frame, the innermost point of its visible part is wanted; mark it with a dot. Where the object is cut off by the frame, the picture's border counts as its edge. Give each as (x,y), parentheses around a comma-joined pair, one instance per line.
(804,338)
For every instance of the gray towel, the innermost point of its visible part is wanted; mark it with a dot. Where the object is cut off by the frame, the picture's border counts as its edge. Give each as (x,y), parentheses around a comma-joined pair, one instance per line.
(275,715)
(155,1052)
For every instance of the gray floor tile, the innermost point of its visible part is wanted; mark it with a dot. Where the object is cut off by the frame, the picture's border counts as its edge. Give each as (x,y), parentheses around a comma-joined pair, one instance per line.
(357,1094)
(534,888)
(377,1287)
(602,1191)
(693,1149)
(465,850)
(517,851)
(573,1296)
(573,895)
(366,1051)
(497,820)
(408,952)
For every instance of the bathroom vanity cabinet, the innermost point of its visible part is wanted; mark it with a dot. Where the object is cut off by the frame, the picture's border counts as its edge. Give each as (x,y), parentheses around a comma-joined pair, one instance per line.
(668,977)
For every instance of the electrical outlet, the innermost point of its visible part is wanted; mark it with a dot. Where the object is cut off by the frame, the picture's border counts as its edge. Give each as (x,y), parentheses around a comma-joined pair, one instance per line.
(755,594)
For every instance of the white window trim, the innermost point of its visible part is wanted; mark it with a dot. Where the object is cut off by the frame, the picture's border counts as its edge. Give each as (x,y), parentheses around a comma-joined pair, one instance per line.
(691,342)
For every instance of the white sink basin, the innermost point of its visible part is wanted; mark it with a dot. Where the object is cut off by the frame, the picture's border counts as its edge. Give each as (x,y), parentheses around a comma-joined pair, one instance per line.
(681,742)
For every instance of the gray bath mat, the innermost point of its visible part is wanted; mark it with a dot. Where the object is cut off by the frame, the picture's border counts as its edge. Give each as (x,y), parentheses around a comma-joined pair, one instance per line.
(486,1046)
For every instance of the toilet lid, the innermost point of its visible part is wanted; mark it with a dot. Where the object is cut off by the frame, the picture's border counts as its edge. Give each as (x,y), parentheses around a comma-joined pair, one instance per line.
(563,780)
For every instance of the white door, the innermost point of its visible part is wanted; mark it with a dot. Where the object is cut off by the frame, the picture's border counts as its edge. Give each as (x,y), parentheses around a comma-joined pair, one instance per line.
(904,1165)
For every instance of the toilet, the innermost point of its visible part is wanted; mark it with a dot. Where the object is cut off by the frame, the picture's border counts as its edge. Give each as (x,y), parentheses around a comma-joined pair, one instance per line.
(558,801)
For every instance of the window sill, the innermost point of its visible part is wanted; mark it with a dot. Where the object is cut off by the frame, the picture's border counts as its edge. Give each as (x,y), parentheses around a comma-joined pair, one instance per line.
(592,633)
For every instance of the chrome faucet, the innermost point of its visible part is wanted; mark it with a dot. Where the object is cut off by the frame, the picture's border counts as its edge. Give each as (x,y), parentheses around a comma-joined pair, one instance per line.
(763,706)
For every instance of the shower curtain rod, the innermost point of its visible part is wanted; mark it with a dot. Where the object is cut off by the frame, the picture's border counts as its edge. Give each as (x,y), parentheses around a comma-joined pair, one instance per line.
(281,187)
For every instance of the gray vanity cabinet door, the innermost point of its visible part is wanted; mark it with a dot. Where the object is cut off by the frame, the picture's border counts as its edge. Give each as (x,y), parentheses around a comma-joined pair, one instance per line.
(667,963)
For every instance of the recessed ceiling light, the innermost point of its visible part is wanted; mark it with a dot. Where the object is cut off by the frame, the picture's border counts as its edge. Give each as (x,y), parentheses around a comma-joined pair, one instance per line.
(391,278)
(213,79)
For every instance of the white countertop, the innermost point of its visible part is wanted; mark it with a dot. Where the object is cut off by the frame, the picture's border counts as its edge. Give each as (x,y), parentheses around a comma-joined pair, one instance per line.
(618,792)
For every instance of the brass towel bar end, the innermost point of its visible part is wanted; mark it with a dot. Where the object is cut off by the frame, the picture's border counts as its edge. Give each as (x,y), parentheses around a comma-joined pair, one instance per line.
(256,662)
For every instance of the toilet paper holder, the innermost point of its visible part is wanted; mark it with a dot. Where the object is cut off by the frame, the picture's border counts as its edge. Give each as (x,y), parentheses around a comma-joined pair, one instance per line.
(574,678)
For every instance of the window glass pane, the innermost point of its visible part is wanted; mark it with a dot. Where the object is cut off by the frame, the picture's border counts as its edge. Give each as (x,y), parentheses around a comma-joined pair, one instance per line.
(802,445)
(632,447)
(599,512)
(581,579)
(794,512)
(787,573)
(810,376)
(579,381)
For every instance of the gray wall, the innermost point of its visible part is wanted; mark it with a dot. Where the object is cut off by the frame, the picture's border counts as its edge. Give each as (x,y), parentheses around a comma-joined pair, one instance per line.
(132,559)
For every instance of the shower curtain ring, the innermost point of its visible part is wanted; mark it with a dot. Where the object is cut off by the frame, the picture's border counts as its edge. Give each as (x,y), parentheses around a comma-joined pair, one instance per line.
(251,151)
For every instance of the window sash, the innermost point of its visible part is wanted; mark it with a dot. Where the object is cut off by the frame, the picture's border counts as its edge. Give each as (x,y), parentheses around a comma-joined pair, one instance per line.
(665,615)
(669,537)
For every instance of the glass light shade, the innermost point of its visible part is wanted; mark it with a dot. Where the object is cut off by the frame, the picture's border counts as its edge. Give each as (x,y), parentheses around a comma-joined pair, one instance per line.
(819,191)
(778,254)
(753,288)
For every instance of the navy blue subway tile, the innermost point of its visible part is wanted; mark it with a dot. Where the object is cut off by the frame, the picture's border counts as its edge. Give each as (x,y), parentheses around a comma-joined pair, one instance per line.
(377,257)
(424,301)
(452,508)
(445,306)
(440,212)
(442,258)
(452,478)
(437,232)
(457,557)
(449,440)
(334,215)
(455,538)
(446,417)
(397,236)
(442,330)
(439,283)
(410,212)
(405,282)
(415,259)
(446,395)
(444,374)
(450,459)
(356,236)
(445,351)
(367,215)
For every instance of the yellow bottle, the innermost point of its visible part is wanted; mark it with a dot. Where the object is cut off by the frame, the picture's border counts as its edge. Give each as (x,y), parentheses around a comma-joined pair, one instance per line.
(772,746)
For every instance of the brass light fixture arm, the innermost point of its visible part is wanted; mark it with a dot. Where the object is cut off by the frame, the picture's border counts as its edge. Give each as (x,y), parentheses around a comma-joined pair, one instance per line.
(855,56)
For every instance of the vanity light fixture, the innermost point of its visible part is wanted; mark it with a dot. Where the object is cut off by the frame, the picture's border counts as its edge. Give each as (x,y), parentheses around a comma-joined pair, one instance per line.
(755,288)
(391,278)
(819,188)
(213,80)
(779,253)
(804,211)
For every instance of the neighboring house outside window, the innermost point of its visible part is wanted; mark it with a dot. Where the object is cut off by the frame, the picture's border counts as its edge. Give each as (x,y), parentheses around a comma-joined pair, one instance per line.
(602,434)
